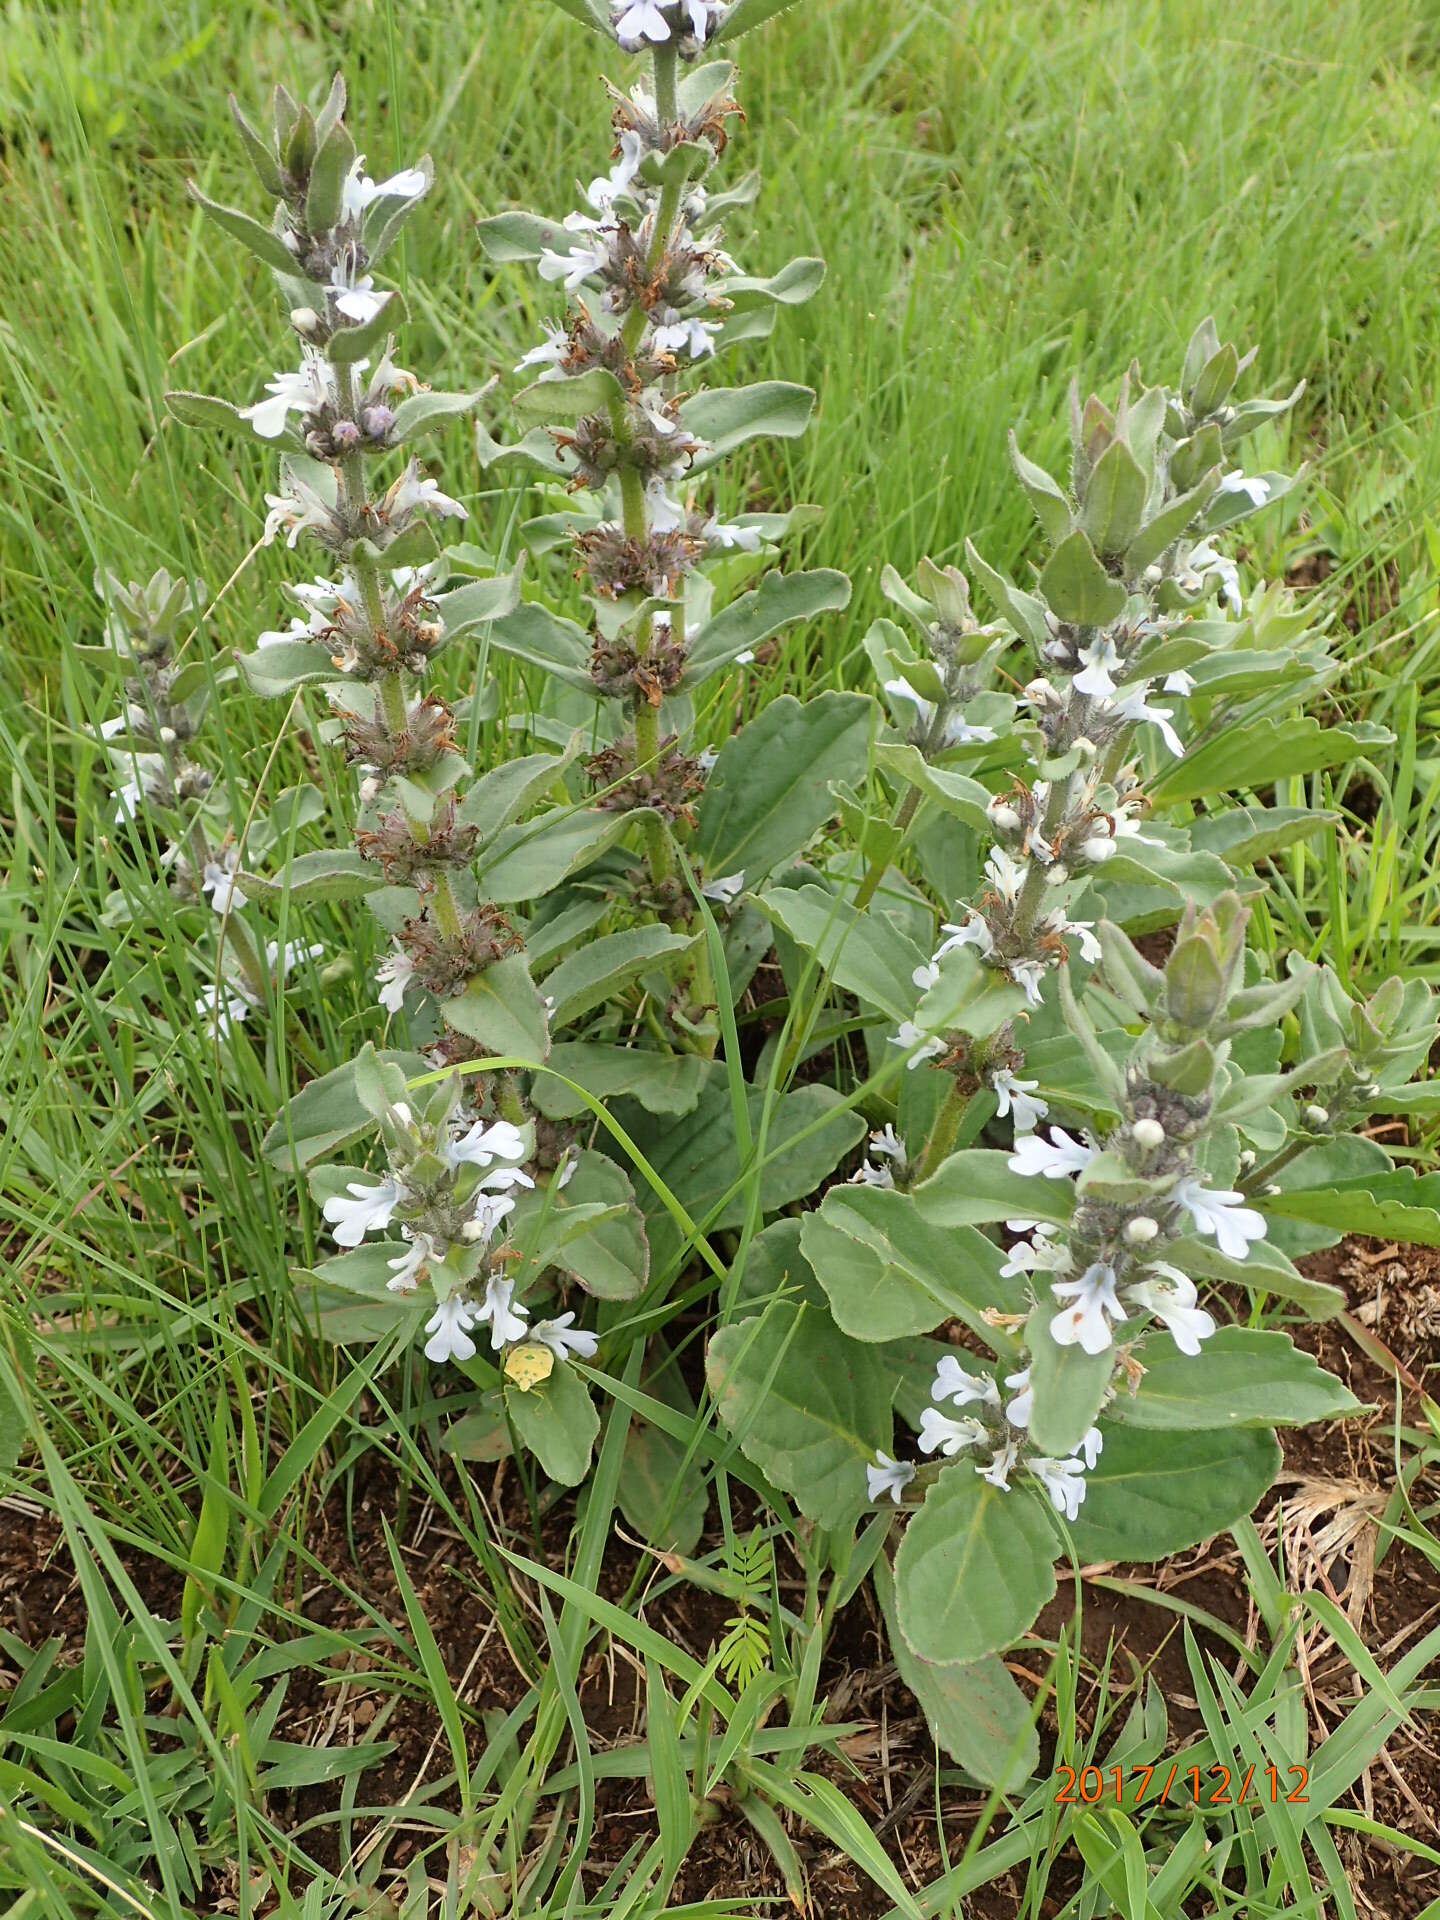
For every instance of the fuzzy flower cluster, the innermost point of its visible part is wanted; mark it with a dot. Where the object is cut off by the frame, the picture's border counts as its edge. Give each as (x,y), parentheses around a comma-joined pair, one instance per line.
(450,1189)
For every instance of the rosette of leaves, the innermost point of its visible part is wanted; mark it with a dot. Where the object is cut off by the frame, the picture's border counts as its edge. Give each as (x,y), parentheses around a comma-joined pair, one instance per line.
(676,595)
(1098,1148)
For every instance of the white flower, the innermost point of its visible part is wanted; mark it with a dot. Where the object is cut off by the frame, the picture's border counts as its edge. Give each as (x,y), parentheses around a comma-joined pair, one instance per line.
(1135,708)
(869,1175)
(701,13)
(550,352)
(407,1268)
(1100,657)
(926,976)
(1063,1480)
(354,292)
(664,514)
(1036,1255)
(1017,1097)
(129,795)
(359,190)
(302,392)
(295,951)
(605,190)
(639,20)
(1029,976)
(972,932)
(481,1146)
(1055,1159)
(368,1212)
(940,1433)
(1256,491)
(488,1210)
(958,730)
(450,1326)
(1018,1410)
(298,510)
(224,1007)
(888,1476)
(727,890)
(1221,1212)
(888,1142)
(922,1047)
(722,534)
(218,880)
(573,268)
(1172,1299)
(1084,931)
(507,1323)
(298,631)
(564,1338)
(415,492)
(1006,874)
(1086,1321)
(394,975)
(1092,1445)
(1001,1465)
(1204,566)
(693,336)
(1178,682)
(960,1388)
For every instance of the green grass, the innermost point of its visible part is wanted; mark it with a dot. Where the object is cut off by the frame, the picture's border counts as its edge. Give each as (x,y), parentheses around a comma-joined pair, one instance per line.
(1005,194)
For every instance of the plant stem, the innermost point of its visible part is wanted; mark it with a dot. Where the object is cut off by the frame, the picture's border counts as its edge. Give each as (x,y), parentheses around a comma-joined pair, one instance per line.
(878,867)
(942,1134)
(447,910)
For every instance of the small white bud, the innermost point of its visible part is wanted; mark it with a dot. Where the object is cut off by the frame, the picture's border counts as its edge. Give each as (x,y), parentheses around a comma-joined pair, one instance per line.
(472,1231)
(1153,575)
(304,319)
(1141,1229)
(1056,874)
(1004,818)
(369,789)
(1247,1159)
(1273,1188)
(1317,1117)
(1099,849)
(169,736)
(1148,1134)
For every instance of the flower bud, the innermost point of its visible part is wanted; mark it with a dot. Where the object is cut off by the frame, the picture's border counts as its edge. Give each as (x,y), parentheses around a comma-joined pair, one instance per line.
(1057,874)
(1003,818)
(1316,1117)
(1098,849)
(1141,1229)
(304,319)
(369,789)
(1148,1134)
(346,435)
(169,736)
(472,1231)
(1247,1159)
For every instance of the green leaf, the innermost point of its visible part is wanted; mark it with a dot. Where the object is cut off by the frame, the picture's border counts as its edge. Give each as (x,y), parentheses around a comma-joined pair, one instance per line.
(594,391)
(424,410)
(332,873)
(1114,503)
(976,1188)
(610,1257)
(1242,1377)
(532,633)
(976,1712)
(974,1568)
(263,242)
(667,1083)
(327,1113)
(512,237)
(727,417)
(508,791)
(1077,588)
(274,672)
(1265,1270)
(1257,755)
(796,282)
(1068,1385)
(204,410)
(1151,1494)
(501,1008)
(1047,496)
(325,194)
(955,793)
(1398,1206)
(656,1480)
(1244,836)
(604,967)
(863,952)
(528,860)
(746,15)
(366,339)
(812,1423)
(763,802)
(558,1423)
(779,600)
(890,1272)
(1168,525)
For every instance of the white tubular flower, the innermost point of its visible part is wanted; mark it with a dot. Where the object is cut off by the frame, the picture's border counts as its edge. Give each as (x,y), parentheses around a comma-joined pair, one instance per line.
(1064,1481)
(1018,1097)
(415,492)
(1085,1322)
(727,890)
(550,352)
(869,1175)
(302,392)
(1001,1466)
(297,511)
(1172,1299)
(368,1211)
(720,533)
(393,976)
(1084,931)
(1220,1213)
(564,1339)
(489,1210)
(1029,976)
(665,514)
(1256,491)
(297,633)
(450,1327)
(223,1008)
(360,191)
(1018,1410)
(885,1145)
(922,1046)
(960,1388)
(888,1476)
(1135,708)
(411,1264)
(1006,874)
(1092,1445)
(640,20)
(605,190)
(572,268)
(971,932)
(131,794)
(693,336)
(1178,682)
(218,880)
(354,292)
(926,976)
(939,1433)
(480,1144)
(701,15)
(1101,659)
(958,730)
(1038,1254)
(1054,1159)
(507,1322)
(284,964)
